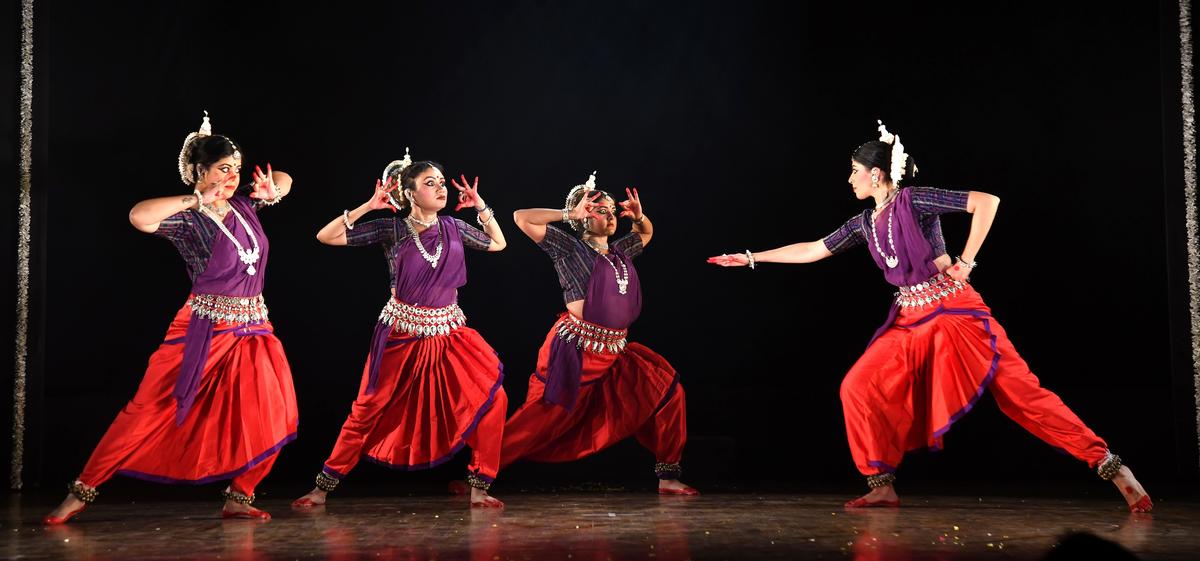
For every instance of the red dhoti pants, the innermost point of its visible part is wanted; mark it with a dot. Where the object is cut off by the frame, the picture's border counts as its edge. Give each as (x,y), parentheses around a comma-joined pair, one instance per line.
(929,369)
(433,396)
(244,412)
(632,393)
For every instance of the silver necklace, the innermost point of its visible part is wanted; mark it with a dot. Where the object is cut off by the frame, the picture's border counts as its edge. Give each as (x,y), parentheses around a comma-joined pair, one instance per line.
(249,257)
(437,254)
(219,211)
(891,260)
(887,199)
(622,276)
(595,245)
(421,222)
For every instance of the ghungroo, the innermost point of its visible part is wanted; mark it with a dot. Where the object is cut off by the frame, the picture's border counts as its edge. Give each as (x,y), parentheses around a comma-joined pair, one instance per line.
(326,482)
(231,495)
(83,492)
(665,470)
(478,482)
(881,480)
(1110,467)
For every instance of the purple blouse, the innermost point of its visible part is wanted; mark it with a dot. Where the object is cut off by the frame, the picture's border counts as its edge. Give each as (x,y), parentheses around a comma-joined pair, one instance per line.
(211,259)
(574,260)
(916,232)
(417,283)
(916,237)
(214,268)
(580,267)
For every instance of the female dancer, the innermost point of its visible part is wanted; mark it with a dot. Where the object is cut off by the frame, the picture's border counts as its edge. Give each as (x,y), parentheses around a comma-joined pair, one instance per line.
(216,401)
(431,385)
(592,389)
(940,347)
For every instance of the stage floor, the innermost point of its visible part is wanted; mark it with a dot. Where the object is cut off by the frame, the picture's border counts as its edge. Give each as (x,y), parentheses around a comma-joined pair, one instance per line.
(602,526)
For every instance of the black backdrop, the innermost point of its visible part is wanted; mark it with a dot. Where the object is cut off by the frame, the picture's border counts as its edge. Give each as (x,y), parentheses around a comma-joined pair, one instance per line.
(735,121)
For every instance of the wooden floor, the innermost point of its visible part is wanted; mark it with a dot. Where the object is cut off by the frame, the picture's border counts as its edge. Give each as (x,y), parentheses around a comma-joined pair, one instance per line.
(601,526)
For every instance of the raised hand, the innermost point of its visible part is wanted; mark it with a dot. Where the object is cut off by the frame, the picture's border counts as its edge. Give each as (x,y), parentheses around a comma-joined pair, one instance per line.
(632,207)
(213,193)
(264,185)
(586,207)
(381,198)
(468,194)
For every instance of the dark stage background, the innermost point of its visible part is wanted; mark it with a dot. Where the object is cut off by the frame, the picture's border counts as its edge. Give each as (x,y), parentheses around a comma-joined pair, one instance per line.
(735,121)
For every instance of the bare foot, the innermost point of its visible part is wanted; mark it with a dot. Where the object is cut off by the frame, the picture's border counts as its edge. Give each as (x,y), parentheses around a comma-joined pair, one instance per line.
(233,509)
(675,487)
(316,497)
(878,497)
(69,507)
(480,498)
(1135,495)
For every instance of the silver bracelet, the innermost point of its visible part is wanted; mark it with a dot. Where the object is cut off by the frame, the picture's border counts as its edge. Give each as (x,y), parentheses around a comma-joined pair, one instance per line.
(480,221)
(566,215)
(750,257)
(199,198)
(970,265)
(346,220)
(639,222)
(276,197)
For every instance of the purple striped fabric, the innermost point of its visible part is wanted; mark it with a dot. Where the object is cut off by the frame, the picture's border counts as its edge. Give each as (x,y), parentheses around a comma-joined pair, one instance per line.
(573,259)
(928,203)
(390,231)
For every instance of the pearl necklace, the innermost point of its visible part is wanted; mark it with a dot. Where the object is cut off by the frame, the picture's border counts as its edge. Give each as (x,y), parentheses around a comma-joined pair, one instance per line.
(437,254)
(249,257)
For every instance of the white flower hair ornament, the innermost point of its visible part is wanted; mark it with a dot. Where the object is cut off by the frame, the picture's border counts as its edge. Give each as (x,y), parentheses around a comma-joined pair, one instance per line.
(187,170)
(899,157)
(395,166)
(589,185)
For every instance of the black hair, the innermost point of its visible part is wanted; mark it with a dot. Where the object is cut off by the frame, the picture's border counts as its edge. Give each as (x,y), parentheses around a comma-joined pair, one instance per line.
(878,154)
(407,179)
(205,151)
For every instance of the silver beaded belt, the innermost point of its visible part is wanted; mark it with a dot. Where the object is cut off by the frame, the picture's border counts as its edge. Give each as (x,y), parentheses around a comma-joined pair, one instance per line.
(230,309)
(939,287)
(591,337)
(422,322)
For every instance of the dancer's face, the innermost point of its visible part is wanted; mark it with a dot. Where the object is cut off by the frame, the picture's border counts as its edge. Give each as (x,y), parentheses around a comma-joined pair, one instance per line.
(607,224)
(223,175)
(430,190)
(860,179)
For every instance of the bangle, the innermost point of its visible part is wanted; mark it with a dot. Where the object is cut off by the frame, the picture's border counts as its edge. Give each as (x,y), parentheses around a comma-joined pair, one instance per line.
(970,265)
(479,217)
(275,197)
(199,198)
(640,220)
(566,215)
(346,220)
(750,257)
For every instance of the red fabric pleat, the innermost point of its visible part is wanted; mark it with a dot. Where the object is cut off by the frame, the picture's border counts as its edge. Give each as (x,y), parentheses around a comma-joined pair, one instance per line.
(634,393)
(244,412)
(930,368)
